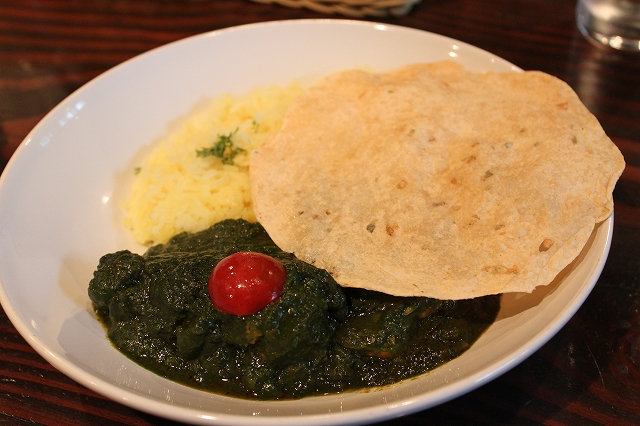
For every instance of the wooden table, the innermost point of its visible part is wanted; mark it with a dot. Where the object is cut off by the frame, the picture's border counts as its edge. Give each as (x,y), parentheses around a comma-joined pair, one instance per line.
(589,373)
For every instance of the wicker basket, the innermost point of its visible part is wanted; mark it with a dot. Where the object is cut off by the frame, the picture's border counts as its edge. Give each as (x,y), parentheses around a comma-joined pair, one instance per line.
(353,8)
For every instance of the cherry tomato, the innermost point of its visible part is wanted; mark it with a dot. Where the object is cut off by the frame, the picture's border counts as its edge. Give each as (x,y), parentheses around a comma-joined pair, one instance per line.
(245,282)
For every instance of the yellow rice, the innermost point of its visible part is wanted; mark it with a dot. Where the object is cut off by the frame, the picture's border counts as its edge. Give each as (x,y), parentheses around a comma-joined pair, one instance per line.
(175,190)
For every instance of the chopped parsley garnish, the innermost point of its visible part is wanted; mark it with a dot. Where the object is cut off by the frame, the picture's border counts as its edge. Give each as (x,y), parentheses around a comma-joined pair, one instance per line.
(137,170)
(223,149)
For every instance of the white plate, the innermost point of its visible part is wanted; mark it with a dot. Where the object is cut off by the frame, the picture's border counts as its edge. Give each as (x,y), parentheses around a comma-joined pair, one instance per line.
(60,211)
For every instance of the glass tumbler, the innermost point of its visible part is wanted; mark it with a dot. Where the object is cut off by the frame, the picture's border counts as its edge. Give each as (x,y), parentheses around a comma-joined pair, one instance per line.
(614,23)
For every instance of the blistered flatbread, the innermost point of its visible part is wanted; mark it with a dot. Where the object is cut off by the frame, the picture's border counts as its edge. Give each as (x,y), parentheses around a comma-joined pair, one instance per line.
(434,181)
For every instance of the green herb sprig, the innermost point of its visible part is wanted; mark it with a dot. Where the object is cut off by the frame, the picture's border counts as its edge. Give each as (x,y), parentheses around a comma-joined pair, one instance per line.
(223,148)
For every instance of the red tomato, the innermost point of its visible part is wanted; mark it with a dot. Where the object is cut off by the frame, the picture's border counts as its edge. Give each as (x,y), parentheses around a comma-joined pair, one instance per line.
(245,282)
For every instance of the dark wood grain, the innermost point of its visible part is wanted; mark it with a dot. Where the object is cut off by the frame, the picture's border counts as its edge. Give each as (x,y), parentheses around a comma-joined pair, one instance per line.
(588,374)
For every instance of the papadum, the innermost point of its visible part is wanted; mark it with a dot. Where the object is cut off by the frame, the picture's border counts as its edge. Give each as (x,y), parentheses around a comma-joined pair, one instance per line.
(434,181)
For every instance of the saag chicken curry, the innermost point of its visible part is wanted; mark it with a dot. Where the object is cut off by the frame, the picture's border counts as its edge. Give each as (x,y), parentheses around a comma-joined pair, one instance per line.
(314,338)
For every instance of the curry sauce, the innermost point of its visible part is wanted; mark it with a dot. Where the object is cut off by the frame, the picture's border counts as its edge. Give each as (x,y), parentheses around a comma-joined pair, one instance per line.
(316,338)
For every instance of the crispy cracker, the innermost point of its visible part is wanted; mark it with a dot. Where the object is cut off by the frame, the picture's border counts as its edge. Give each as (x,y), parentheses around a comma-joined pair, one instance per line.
(434,181)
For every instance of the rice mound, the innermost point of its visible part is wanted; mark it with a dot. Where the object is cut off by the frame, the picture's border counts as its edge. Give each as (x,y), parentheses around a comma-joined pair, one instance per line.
(175,190)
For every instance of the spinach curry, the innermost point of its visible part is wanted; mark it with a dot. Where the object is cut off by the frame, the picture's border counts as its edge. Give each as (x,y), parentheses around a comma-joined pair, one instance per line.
(316,338)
